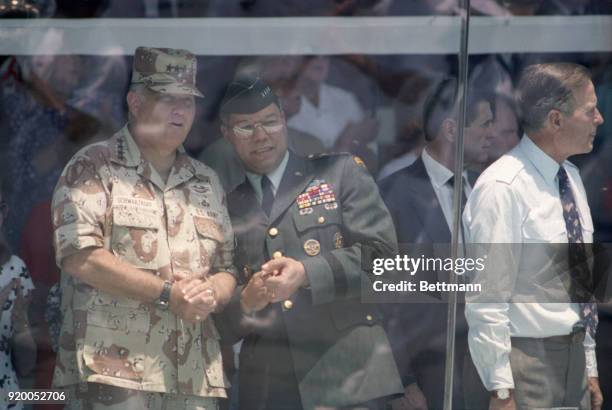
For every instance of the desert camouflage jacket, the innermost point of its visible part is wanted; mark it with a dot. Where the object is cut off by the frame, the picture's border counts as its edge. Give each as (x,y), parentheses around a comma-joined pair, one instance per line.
(110,197)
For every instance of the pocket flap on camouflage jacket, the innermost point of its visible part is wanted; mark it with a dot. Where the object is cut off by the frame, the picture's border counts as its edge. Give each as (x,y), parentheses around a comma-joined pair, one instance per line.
(119,319)
(208,228)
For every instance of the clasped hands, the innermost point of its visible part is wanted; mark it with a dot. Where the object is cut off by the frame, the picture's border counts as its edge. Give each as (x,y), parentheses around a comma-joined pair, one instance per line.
(192,298)
(277,280)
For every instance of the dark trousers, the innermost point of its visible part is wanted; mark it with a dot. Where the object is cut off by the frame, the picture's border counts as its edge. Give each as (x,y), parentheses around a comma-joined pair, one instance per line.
(267,375)
(268,382)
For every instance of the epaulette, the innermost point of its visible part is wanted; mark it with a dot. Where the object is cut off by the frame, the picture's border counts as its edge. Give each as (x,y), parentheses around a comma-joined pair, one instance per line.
(327,155)
(512,167)
(202,171)
(338,155)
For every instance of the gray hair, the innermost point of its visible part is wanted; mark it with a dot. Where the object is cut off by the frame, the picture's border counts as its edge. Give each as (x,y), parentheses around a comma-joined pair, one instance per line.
(544,87)
(138,89)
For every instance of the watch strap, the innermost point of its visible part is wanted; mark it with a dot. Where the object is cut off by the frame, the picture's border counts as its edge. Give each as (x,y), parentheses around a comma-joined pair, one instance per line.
(164,297)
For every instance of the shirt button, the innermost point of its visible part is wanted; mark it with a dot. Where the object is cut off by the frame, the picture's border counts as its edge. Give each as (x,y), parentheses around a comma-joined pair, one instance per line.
(287,304)
(273,232)
(321,219)
(277,254)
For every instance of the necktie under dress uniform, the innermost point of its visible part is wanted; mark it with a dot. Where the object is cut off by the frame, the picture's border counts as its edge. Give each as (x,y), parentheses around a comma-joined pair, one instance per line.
(267,198)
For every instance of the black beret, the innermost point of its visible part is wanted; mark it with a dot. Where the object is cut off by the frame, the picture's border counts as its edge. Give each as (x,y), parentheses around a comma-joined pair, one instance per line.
(246,95)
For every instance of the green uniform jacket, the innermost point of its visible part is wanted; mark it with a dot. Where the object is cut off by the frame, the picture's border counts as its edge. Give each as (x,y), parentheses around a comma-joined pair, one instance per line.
(325,210)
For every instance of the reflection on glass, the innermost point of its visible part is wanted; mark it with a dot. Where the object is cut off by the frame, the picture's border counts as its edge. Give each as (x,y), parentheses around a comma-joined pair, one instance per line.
(396,112)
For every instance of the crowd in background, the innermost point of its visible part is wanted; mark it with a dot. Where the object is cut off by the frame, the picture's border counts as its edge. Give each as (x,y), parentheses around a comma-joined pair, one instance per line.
(315,8)
(52,105)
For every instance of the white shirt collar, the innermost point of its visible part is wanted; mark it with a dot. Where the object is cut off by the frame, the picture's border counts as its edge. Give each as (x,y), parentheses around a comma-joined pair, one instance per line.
(437,172)
(546,166)
(275,176)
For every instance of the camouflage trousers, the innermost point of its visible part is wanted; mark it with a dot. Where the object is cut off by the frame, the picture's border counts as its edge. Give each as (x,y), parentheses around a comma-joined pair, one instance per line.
(95,396)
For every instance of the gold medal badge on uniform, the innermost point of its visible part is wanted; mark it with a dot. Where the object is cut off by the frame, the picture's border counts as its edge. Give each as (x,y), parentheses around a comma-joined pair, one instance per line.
(312,247)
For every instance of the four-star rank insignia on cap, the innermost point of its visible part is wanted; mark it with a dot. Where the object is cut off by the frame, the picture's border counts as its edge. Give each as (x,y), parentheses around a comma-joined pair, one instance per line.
(317,193)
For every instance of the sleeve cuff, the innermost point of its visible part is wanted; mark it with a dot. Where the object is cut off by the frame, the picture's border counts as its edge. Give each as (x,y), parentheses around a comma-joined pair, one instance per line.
(498,378)
(320,278)
(77,244)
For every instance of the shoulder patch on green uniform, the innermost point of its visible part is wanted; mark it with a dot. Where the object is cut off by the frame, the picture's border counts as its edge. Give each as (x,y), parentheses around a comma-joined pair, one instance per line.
(328,155)
(359,162)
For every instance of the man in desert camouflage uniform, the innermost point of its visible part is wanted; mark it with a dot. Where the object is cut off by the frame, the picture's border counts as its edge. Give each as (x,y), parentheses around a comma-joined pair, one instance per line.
(145,245)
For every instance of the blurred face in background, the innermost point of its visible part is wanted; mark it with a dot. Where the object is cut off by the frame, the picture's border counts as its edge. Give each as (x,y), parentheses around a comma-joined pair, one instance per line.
(316,69)
(280,72)
(279,68)
(290,99)
(477,136)
(505,130)
(58,72)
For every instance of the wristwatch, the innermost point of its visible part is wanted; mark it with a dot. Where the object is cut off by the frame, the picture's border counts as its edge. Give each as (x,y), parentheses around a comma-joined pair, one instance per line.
(502,394)
(164,298)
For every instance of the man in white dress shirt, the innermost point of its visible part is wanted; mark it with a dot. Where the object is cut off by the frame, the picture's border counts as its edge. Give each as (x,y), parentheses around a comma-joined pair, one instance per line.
(536,355)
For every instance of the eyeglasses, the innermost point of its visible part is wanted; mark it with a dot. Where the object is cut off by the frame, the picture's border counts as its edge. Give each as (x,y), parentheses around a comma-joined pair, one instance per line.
(247,131)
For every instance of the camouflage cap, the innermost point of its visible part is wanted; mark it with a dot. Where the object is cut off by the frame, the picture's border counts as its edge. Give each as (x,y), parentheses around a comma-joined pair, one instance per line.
(166,70)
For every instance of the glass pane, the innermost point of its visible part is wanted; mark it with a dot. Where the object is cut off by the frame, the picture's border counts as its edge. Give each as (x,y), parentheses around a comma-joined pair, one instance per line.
(379,80)
(538,203)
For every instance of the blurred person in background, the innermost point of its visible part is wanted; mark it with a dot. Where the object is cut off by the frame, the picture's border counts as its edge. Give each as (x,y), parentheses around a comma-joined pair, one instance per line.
(49,101)
(408,106)
(420,200)
(36,249)
(43,129)
(506,128)
(17,347)
(36,117)
(51,105)
(332,114)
